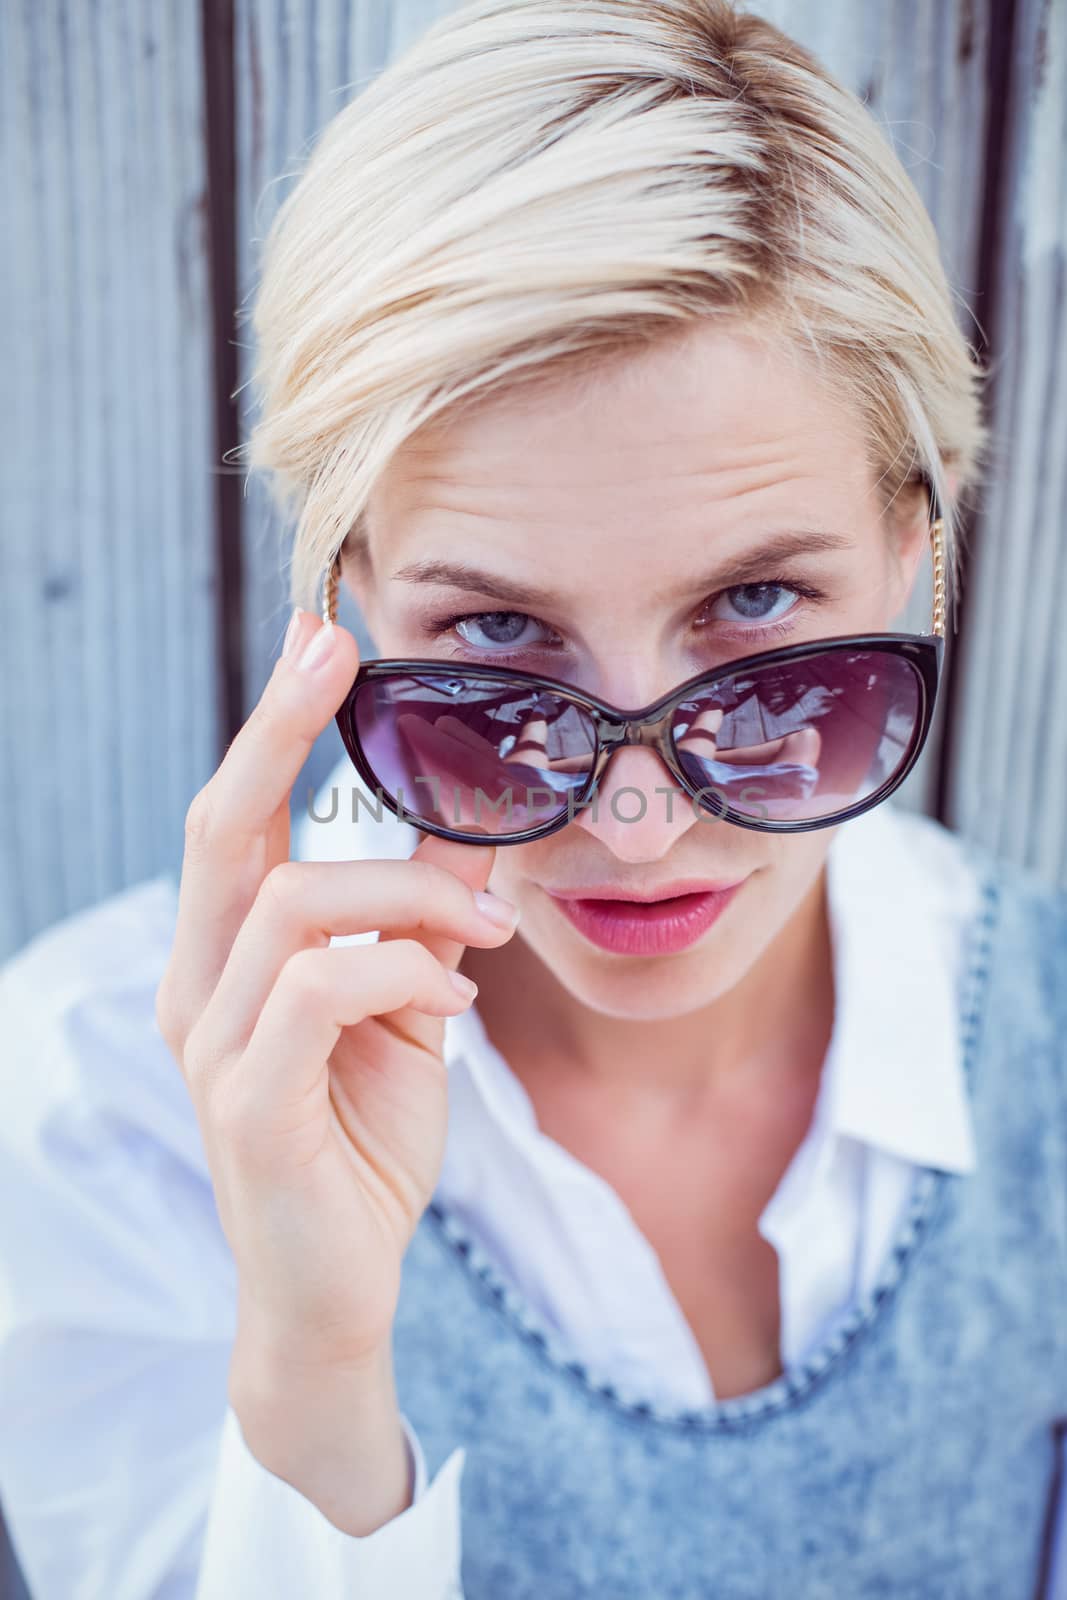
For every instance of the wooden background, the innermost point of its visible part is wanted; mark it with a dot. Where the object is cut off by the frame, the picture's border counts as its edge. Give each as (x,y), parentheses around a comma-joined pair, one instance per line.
(146,145)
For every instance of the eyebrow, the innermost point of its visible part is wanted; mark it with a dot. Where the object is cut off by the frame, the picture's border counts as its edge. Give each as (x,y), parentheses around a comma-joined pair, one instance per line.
(751,567)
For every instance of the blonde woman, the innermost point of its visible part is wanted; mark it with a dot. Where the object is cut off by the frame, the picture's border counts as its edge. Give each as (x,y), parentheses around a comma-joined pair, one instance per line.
(606,358)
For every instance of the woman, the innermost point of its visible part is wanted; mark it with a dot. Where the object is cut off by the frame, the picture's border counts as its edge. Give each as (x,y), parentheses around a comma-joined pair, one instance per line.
(719,1248)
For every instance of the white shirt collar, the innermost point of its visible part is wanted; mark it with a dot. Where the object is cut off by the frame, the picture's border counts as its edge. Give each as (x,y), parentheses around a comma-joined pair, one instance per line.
(897,886)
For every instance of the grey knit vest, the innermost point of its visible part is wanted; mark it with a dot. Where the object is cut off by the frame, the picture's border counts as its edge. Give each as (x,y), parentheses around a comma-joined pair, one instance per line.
(913,1455)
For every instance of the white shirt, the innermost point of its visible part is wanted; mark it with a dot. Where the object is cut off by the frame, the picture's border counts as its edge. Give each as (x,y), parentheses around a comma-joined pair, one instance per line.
(123,1470)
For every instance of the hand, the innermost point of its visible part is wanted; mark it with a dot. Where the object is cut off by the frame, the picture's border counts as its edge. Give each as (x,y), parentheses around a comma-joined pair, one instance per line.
(317,1077)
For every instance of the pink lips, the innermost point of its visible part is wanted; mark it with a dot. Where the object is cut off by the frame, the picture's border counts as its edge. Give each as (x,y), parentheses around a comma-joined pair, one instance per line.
(648,927)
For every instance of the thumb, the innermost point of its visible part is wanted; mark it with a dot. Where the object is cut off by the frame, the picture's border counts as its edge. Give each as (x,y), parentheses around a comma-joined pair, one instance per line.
(472,863)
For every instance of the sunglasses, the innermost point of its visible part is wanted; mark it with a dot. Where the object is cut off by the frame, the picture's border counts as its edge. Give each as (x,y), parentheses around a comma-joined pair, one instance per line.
(783,741)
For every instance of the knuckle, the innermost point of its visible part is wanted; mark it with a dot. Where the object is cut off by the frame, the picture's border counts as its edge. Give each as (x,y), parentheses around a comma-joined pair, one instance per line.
(260,722)
(439,888)
(192,1053)
(305,979)
(281,888)
(413,956)
(200,822)
(166,1013)
(402,951)
(435,878)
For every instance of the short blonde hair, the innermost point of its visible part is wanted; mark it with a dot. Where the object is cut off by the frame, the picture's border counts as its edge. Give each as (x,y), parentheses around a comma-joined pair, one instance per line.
(535,182)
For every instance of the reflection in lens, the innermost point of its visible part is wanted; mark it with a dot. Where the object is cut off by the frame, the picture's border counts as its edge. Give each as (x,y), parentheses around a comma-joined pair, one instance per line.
(801,740)
(472,753)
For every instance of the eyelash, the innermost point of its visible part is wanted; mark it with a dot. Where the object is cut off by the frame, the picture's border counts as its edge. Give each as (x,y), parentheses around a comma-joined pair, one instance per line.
(438,627)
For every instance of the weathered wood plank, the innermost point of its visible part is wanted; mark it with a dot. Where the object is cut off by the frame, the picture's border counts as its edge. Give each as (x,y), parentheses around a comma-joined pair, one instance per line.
(1010,775)
(107,679)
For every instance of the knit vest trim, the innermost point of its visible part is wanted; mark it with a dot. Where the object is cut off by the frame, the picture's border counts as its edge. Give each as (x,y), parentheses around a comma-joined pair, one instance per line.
(748,1412)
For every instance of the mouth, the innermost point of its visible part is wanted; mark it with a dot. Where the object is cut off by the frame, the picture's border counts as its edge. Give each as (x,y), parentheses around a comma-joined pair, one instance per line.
(669,920)
(668,891)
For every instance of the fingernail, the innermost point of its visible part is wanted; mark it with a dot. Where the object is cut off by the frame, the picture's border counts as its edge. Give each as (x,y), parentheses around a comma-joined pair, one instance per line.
(291,631)
(463,985)
(498,910)
(318,648)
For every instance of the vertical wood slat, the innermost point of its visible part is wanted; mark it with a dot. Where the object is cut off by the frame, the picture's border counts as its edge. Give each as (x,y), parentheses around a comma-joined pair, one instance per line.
(296,65)
(107,652)
(1009,785)
(955,687)
(218,67)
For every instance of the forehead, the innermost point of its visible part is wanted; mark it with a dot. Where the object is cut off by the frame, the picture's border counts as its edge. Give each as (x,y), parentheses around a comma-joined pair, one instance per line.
(712,428)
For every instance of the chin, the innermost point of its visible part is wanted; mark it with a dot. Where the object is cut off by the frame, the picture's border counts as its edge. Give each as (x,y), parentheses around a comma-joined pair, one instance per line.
(646,988)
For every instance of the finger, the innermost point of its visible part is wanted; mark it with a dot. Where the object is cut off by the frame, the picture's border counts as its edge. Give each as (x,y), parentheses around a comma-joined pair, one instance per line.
(318,994)
(238,824)
(303,904)
(472,864)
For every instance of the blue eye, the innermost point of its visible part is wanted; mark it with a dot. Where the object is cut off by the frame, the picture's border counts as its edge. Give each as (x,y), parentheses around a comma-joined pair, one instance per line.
(755,601)
(754,611)
(502,629)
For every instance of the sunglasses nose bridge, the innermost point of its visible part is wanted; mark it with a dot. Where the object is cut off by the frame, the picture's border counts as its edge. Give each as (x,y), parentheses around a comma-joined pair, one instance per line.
(616,731)
(651,731)
(615,734)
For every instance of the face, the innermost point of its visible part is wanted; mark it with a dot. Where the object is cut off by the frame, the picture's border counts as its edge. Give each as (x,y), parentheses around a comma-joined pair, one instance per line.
(605,516)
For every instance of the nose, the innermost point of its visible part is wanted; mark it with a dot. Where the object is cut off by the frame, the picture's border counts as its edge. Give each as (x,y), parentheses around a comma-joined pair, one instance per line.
(639,810)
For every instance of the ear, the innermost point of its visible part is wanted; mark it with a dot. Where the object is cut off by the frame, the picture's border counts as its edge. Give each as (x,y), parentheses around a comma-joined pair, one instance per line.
(357,576)
(910,540)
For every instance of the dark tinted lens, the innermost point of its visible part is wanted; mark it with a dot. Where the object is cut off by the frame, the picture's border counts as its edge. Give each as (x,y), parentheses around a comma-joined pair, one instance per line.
(804,739)
(473,754)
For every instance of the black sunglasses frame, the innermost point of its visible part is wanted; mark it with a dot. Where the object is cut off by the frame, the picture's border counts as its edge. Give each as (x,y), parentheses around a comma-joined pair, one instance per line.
(650,725)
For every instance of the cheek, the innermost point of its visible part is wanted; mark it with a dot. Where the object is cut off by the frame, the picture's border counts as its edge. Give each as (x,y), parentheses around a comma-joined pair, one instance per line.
(797,858)
(797,868)
(515,866)
(523,872)
(779,888)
